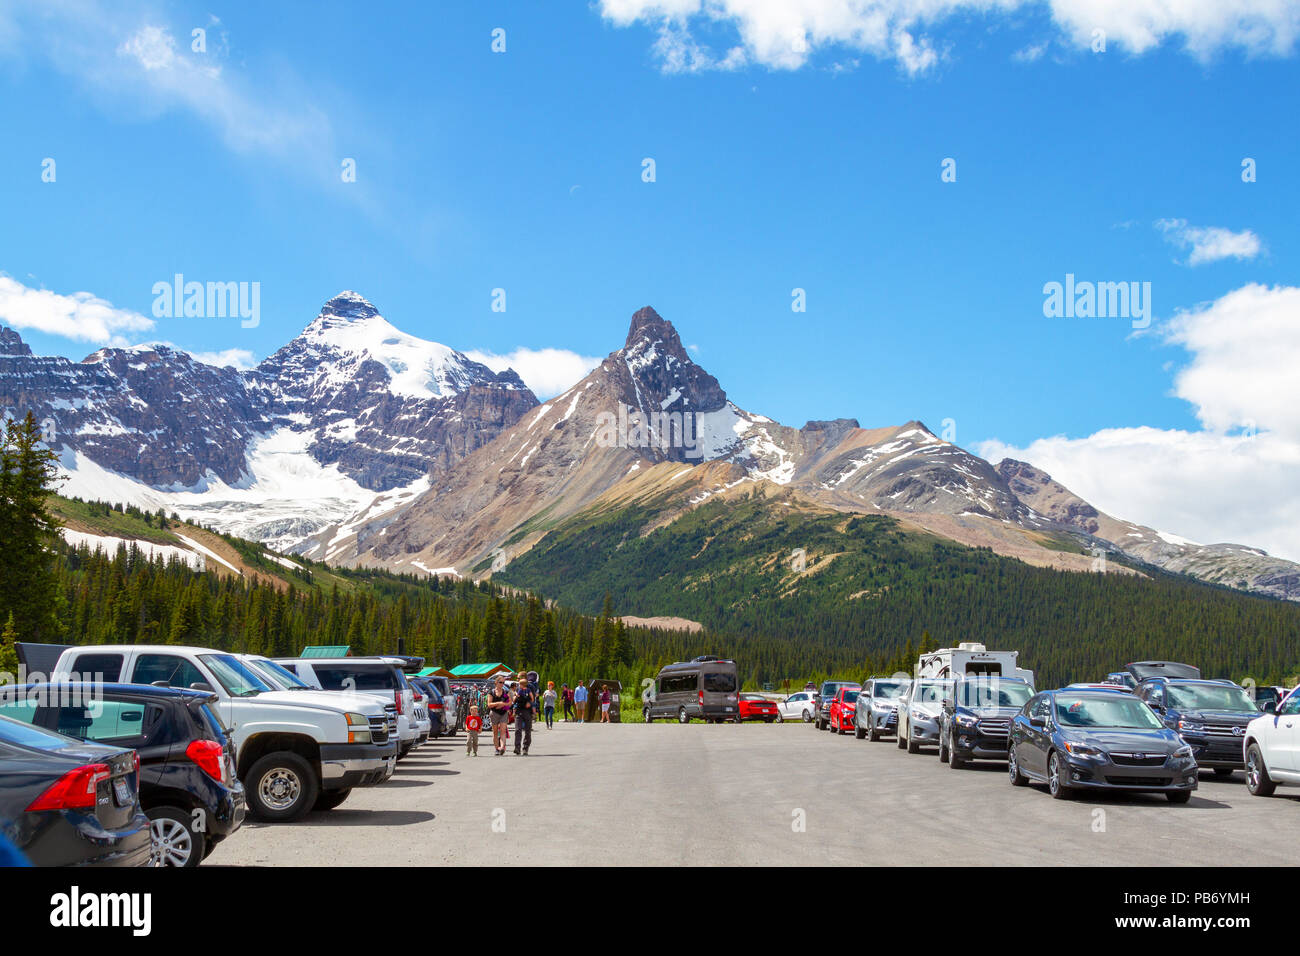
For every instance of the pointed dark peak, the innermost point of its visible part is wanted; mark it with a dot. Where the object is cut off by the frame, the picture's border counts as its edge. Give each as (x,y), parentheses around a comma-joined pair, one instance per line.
(11,343)
(649,325)
(349,305)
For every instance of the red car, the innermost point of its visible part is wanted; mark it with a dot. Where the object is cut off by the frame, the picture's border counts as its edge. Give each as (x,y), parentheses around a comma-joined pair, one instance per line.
(840,712)
(755,707)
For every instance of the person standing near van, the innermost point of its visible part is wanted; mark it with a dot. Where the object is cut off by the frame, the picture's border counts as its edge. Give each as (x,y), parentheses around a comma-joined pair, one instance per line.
(498,702)
(580,700)
(548,704)
(606,698)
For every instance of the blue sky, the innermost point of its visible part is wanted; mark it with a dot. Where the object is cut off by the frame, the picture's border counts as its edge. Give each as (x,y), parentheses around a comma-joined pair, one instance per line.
(774,170)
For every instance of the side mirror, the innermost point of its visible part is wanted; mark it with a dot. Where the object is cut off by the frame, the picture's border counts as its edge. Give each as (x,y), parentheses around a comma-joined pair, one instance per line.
(1037,722)
(201,685)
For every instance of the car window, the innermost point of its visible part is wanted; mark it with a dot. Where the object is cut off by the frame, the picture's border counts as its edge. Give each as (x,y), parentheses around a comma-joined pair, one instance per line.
(350,678)
(850,696)
(1038,706)
(122,723)
(21,709)
(26,735)
(1112,710)
(1156,694)
(105,668)
(720,683)
(1223,697)
(1291,705)
(175,671)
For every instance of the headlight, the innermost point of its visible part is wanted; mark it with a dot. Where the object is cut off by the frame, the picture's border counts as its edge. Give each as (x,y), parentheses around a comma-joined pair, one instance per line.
(357,720)
(921,715)
(1191,727)
(1082,750)
(967,721)
(1182,753)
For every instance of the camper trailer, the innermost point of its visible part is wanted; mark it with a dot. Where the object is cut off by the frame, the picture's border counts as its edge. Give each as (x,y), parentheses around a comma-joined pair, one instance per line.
(970,658)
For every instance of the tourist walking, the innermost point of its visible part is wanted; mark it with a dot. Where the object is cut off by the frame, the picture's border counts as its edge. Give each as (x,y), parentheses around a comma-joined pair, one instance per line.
(580,700)
(566,695)
(548,704)
(498,699)
(473,724)
(606,698)
(525,707)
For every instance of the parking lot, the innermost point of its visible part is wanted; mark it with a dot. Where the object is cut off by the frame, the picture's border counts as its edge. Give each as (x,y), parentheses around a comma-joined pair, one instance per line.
(750,794)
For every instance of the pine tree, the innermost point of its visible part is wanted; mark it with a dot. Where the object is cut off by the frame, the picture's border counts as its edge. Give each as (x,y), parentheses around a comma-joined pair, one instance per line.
(28,531)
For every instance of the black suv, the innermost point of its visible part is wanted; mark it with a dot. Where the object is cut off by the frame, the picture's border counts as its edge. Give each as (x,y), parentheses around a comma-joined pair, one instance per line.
(822,718)
(188,787)
(975,723)
(1210,715)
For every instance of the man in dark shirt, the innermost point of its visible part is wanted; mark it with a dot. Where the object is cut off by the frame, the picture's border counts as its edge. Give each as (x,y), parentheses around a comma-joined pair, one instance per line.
(525,705)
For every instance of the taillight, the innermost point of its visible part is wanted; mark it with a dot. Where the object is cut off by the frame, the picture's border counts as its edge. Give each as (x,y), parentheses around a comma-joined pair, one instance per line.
(210,757)
(701,698)
(75,790)
(419,698)
(437,705)
(398,695)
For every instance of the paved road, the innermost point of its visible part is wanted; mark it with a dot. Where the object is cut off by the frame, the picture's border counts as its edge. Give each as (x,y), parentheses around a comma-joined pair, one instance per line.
(701,794)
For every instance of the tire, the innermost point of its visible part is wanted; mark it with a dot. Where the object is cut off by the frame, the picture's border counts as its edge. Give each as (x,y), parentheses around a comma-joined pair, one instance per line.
(1223,771)
(807,716)
(944,753)
(779,718)
(954,762)
(174,842)
(645,715)
(682,716)
(912,746)
(281,787)
(1055,786)
(329,799)
(858,732)
(1179,796)
(1258,782)
(839,728)
(1018,779)
(872,733)
(902,741)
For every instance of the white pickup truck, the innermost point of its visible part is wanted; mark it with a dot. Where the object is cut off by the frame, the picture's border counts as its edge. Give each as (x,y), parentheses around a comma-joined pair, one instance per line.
(295,751)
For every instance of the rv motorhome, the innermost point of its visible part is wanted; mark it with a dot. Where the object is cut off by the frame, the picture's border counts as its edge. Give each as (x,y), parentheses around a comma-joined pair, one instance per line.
(970,658)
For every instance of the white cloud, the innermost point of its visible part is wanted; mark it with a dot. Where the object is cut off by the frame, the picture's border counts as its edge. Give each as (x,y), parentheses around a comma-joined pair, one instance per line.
(783,34)
(1236,479)
(1210,243)
(124,57)
(548,372)
(80,316)
(241,359)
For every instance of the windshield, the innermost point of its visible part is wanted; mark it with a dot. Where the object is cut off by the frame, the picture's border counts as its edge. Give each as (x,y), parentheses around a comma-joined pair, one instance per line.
(931,691)
(1113,710)
(889,689)
(850,696)
(277,674)
(994,694)
(25,735)
(234,675)
(1228,697)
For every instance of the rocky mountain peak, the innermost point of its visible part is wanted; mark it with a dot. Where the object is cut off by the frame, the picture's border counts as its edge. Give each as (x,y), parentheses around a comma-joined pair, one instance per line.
(349,306)
(11,343)
(664,377)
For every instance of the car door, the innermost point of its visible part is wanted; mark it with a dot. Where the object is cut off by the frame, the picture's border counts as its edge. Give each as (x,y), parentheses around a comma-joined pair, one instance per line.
(1031,753)
(1285,737)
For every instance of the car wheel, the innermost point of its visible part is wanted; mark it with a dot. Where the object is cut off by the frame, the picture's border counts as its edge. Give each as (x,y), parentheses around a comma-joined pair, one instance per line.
(779,718)
(1179,796)
(912,746)
(173,839)
(1258,782)
(807,716)
(943,747)
(1223,771)
(645,715)
(902,739)
(858,732)
(1055,784)
(955,762)
(682,716)
(1013,769)
(281,787)
(329,799)
(840,728)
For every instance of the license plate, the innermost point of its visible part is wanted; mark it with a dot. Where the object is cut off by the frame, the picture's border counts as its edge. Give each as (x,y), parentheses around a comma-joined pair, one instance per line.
(121,792)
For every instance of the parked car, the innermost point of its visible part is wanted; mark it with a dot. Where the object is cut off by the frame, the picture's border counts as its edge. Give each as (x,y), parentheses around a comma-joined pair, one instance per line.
(1211,716)
(829,689)
(433,704)
(292,748)
(877,709)
(800,706)
(453,714)
(840,714)
(187,763)
(1142,670)
(1122,679)
(975,721)
(1113,687)
(1268,698)
(918,713)
(756,707)
(1272,749)
(382,675)
(1098,740)
(66,802)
